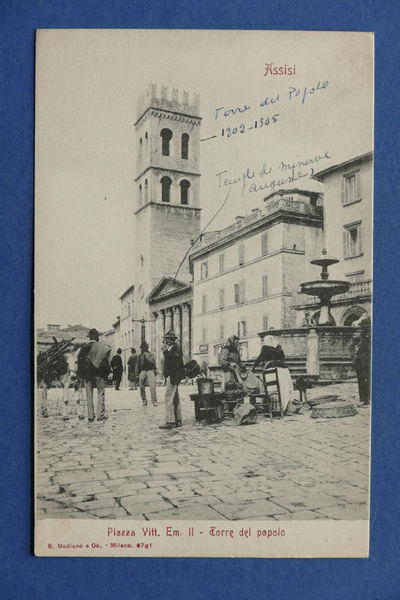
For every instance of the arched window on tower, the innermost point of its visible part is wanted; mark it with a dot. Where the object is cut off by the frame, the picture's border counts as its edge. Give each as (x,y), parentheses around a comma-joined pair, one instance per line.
(140,148)
(146,143)
(146,191)
(140,195)
(185,185)
(165,189)
(185,145)
(166,136)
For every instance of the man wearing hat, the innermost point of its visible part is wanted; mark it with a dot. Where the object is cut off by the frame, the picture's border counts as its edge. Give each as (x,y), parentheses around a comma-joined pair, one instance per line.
(117,369)
(94,368)
(146,370)
(174,372)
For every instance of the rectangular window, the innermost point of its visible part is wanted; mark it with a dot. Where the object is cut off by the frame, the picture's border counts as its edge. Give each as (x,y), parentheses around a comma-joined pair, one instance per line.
(204,335)
(221,263)
(221,332)
(264,244)
(264,286)
(204,270)
(265,323)
(236,293)
(242,329)
(203,304)
(352,240)
(221,298)
(351,188)
(241,254)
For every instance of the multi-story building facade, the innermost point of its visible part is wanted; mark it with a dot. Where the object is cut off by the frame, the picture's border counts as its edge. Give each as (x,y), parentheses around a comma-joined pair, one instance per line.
(246,276)
(126,323)
(348,236)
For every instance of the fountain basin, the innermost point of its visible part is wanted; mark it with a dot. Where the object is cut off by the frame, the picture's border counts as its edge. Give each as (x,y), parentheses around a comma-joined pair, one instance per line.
(322,287)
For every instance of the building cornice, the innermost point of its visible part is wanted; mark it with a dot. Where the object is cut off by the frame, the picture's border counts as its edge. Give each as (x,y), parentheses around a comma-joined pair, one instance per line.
(165,205)
(165,113)
(263,223)
(343,165)
(165,169)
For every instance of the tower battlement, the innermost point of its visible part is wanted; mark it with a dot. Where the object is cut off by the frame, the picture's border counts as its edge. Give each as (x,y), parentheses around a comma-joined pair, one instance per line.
(173,100)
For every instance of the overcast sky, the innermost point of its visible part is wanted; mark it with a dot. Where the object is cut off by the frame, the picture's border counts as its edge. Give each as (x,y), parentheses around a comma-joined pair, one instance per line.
(88,82)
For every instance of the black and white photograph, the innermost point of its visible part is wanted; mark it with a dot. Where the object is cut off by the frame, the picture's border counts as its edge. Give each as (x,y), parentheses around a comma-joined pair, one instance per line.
(203,293)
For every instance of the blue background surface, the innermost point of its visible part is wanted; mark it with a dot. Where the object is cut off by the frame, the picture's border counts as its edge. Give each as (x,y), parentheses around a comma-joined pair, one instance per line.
(23,575)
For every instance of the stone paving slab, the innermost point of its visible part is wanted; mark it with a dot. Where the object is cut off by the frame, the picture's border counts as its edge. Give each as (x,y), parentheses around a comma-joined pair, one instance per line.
(126,467)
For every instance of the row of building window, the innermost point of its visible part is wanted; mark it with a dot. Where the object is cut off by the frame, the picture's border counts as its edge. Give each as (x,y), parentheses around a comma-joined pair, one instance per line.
(204,272)
(241,330)
(239,294)
(166,137)
(166,183)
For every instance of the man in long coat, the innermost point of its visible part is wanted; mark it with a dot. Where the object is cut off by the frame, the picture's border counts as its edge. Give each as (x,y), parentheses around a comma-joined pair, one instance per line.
(174,372)
(94,368)
(117,369)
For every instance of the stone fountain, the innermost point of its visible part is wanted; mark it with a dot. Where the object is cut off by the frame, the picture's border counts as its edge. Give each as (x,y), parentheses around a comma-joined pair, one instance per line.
(319,348)
(324,288)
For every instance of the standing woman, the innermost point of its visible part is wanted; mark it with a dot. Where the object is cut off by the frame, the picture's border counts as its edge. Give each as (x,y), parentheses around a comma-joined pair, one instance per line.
(271,356)
(230,359)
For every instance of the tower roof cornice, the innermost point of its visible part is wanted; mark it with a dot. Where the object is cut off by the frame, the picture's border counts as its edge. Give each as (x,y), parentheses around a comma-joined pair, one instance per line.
(172,115)
(174,103)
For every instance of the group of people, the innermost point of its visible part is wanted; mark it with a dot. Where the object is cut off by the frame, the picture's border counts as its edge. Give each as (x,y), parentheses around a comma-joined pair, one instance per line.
(271,356)
(94,368)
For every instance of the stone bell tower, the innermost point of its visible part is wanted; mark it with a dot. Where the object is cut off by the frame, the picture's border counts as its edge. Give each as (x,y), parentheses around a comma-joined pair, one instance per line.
(167,209)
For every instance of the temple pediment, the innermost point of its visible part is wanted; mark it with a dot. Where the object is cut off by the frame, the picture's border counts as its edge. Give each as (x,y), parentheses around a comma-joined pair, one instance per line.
(167,286)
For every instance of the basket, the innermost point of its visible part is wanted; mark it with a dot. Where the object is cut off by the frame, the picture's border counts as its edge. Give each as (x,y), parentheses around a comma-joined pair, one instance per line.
(321,400)
(334,409)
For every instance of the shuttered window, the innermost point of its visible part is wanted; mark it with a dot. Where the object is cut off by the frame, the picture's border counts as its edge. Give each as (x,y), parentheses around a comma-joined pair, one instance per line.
(351,188)
(352,240)
(236,293)
(264,244)
(264,285)
(221,263)
(203,304)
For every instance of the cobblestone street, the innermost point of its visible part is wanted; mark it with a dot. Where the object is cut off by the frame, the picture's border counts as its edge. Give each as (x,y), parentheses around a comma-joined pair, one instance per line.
(126,467)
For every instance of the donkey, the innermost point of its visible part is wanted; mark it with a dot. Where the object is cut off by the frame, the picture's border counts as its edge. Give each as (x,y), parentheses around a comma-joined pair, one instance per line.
(64,370)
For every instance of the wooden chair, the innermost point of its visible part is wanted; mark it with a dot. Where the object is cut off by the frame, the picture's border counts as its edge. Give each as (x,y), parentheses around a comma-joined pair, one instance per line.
(271,387)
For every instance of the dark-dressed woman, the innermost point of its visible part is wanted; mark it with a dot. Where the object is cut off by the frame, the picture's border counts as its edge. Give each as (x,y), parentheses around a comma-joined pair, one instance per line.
(272,356)
(232,364)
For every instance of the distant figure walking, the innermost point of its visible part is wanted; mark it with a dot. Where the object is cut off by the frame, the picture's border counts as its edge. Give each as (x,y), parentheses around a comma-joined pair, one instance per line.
(132,368)
(117,369)
(174,372)
(146,371)
(94,368)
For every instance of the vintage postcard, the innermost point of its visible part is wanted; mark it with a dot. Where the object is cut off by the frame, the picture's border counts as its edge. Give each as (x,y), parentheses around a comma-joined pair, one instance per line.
(203,306)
